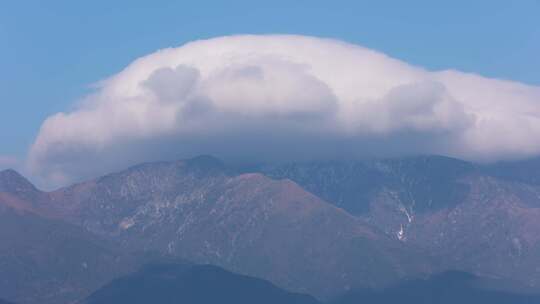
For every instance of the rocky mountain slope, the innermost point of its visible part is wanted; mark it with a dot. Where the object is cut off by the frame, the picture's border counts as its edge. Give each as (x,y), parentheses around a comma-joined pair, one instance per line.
(421,184)
(18,193)
(479,219)
(248,223)
(44,259)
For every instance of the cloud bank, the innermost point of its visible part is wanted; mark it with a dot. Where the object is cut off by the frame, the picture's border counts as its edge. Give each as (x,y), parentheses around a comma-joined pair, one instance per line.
(283,97)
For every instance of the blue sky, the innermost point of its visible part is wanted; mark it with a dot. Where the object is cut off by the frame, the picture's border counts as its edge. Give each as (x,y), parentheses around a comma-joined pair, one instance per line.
(52,51)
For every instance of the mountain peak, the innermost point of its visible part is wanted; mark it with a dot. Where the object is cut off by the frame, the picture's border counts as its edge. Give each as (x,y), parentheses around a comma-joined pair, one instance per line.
(13,182)
(8,172)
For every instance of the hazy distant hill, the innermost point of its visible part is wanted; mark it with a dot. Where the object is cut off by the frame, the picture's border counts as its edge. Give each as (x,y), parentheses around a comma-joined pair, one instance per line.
(193,284)
(445,288)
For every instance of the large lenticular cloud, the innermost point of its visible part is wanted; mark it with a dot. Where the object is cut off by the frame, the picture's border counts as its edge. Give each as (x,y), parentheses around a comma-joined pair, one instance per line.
(284,98)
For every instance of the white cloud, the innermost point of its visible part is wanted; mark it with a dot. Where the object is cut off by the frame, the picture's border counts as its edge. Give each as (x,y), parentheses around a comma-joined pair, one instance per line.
(285,97)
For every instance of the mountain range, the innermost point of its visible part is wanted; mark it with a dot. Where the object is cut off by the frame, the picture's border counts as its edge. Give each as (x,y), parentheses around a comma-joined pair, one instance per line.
(475,218)
(324,228)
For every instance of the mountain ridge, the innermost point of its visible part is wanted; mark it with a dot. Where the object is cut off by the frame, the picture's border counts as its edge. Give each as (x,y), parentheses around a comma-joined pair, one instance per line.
(318,227)
(231,221)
